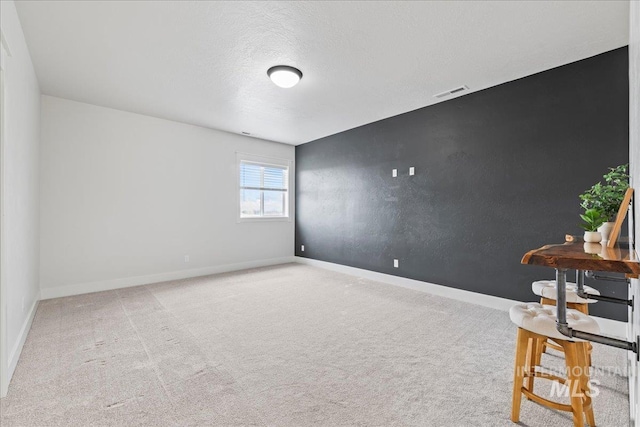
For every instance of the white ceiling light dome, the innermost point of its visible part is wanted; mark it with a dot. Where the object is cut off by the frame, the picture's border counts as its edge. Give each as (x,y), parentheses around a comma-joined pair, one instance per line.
(284,75)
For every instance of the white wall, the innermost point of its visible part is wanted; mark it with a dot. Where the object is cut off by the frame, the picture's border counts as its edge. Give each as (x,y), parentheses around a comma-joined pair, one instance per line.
(125,197)
(20,239)
(634,157)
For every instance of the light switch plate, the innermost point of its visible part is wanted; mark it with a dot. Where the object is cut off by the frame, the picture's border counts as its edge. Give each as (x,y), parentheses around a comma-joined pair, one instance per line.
(394,173)
(302,248)
(412,170)
(395,263)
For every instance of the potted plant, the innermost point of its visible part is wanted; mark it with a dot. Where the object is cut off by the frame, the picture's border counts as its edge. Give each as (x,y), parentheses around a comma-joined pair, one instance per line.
(593,218)
(607,197)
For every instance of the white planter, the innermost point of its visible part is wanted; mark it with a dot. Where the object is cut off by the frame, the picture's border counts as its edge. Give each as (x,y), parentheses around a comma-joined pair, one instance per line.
(592,237)
(605,230)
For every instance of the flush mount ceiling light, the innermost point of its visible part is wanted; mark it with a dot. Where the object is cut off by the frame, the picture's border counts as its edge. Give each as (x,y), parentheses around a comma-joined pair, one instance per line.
(284,76)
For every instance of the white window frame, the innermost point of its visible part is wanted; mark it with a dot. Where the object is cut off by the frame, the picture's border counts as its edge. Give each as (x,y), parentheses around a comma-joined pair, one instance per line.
(267,161)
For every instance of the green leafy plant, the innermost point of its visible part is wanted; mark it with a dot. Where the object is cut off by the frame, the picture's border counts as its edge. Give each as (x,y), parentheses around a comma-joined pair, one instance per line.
(593,219)
(607,197)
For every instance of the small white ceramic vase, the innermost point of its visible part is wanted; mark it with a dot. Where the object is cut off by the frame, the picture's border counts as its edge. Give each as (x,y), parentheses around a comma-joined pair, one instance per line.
(592,237)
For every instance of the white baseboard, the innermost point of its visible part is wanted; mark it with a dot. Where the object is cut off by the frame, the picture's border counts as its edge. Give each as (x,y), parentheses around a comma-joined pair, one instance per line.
(107,285)
(609,327)
(14,355)
(431,288)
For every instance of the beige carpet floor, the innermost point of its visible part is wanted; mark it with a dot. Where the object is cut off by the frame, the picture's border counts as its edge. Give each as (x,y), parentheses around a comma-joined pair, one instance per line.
(290,345)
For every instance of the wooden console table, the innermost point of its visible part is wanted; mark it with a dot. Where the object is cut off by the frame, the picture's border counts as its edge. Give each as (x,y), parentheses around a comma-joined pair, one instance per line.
(583,257)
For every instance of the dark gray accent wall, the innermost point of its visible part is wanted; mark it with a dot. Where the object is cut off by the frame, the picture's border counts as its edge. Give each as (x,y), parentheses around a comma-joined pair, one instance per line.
(497,173)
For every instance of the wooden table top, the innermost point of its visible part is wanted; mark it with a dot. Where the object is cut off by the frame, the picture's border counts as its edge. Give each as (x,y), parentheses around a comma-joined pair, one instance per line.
(585,256)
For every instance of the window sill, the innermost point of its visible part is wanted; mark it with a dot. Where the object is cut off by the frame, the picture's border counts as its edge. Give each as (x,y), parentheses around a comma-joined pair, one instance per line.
(266,219)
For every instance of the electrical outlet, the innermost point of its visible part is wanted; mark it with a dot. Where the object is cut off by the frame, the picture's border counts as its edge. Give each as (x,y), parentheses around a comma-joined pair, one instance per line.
(395,263)
(302,248)
(412,171)
(394,173)
(186,258)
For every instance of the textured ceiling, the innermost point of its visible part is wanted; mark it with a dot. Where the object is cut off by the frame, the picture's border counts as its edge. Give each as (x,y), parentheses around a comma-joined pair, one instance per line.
(205,63)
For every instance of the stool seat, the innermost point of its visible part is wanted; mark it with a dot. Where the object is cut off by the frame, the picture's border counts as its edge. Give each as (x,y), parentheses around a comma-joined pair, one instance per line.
(541,320)
(549,289)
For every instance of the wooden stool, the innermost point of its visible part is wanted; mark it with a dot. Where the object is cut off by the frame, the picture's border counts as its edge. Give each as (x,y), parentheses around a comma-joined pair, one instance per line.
(547,290)
(535,324)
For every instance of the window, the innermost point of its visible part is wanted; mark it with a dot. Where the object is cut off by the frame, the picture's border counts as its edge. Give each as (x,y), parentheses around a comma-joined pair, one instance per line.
(264,188)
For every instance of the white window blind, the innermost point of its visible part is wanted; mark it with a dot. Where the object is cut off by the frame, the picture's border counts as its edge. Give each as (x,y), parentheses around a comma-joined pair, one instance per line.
(264,190)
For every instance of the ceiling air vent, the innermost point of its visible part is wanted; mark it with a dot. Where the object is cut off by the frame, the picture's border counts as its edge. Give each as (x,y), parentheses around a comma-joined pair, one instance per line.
(451,92)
